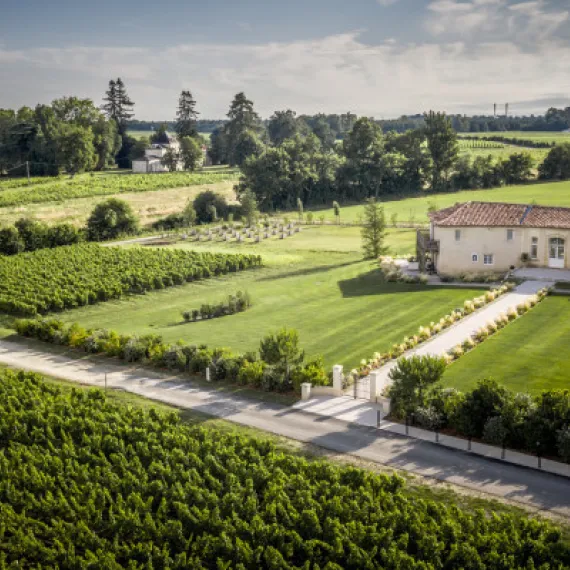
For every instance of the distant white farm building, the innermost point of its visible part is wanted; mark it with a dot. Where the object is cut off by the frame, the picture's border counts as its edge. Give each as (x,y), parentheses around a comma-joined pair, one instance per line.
(153,155)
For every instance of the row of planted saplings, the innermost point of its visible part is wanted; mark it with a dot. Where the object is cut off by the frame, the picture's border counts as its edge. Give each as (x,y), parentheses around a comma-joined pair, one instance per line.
(254,234)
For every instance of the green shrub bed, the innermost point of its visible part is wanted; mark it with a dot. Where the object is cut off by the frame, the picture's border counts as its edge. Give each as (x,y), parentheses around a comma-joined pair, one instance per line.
(87,483)
(71,276)
(234,304)
(281,367)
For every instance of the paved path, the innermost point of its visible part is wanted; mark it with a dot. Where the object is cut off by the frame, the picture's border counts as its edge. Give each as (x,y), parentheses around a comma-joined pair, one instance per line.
(532,488)
(463,329)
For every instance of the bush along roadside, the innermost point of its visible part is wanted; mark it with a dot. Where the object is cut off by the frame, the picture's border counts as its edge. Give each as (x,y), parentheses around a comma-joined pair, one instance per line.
(237,303)
(280,365)
(493,326)
(426,332)
(490,412)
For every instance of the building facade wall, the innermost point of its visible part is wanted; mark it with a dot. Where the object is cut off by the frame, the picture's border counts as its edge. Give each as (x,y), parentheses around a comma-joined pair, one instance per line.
(467,254)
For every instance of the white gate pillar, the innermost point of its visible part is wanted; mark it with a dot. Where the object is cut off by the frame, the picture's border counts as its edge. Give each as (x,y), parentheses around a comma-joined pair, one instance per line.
(374,384)
(337,379)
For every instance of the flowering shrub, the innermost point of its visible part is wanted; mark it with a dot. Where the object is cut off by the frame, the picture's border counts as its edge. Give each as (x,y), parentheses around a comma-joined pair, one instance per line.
(492,327)
(426,332)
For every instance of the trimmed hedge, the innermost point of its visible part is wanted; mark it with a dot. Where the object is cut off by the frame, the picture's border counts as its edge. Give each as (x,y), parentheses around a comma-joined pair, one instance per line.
(246,369)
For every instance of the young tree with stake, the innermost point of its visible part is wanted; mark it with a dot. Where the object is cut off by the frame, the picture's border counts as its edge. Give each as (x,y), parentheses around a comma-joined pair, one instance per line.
(373,230)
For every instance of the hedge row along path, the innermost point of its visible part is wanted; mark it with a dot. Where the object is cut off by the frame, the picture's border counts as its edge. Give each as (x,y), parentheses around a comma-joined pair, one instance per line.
(531,488)
(459,332)
(77,275)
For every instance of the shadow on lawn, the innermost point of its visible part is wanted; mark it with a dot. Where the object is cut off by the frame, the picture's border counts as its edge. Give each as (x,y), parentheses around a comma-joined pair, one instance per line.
(372,283)
(309,270)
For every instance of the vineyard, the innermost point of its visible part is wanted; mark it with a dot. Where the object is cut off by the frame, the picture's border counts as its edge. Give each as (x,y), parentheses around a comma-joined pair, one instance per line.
(72,276)
(86,482)
(17,192)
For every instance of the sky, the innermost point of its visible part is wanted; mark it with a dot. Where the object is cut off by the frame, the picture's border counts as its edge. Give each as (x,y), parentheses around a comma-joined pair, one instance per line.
(381,58)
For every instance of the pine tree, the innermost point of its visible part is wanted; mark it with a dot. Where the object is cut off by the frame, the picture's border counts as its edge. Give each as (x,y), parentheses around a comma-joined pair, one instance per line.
(242,118)
(118,105)
(186,116)
(373,230)
(110,105)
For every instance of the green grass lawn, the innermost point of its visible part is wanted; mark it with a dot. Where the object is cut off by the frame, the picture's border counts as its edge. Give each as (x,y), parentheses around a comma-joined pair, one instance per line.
(529,355)
(315,282)
(415,209)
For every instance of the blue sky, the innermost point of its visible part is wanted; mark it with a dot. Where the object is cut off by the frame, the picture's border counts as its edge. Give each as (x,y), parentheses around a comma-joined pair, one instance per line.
(372,57)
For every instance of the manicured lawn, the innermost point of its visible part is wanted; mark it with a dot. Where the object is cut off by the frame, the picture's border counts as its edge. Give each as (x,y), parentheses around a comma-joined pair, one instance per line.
(315,282)
(529,355)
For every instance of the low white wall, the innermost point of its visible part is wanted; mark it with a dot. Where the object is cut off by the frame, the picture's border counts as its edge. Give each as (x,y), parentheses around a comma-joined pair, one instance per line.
(323,391)
(482,449)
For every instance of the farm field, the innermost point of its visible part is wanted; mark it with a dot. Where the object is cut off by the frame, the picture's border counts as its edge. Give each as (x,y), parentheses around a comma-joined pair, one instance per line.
(499,150)
(529,355)
(62,188)
(315,282)
(540,136)
(162,492)
(148,206)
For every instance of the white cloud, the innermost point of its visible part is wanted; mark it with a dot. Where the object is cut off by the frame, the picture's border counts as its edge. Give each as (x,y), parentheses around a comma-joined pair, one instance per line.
(331,74)
(480,19)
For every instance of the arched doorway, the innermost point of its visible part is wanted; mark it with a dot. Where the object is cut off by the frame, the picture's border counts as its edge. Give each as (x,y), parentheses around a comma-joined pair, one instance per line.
(556,252)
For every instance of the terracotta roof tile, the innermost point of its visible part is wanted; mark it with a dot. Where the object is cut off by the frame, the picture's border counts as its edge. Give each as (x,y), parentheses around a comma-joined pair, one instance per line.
(548,217)
(498,214)
(481,214)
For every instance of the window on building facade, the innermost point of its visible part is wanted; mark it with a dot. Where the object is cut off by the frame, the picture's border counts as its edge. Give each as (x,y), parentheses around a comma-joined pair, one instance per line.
(510,235)
(457,235)
(534,248)
(474,257)
(488,259)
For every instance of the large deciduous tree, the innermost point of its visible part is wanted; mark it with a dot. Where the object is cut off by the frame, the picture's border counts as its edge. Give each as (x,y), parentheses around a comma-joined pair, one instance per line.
(186,116)
(282,126)
(442,146)
(363,149)
(111,219)
(76,152)
(247,144)
(191,152)
(556,165)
